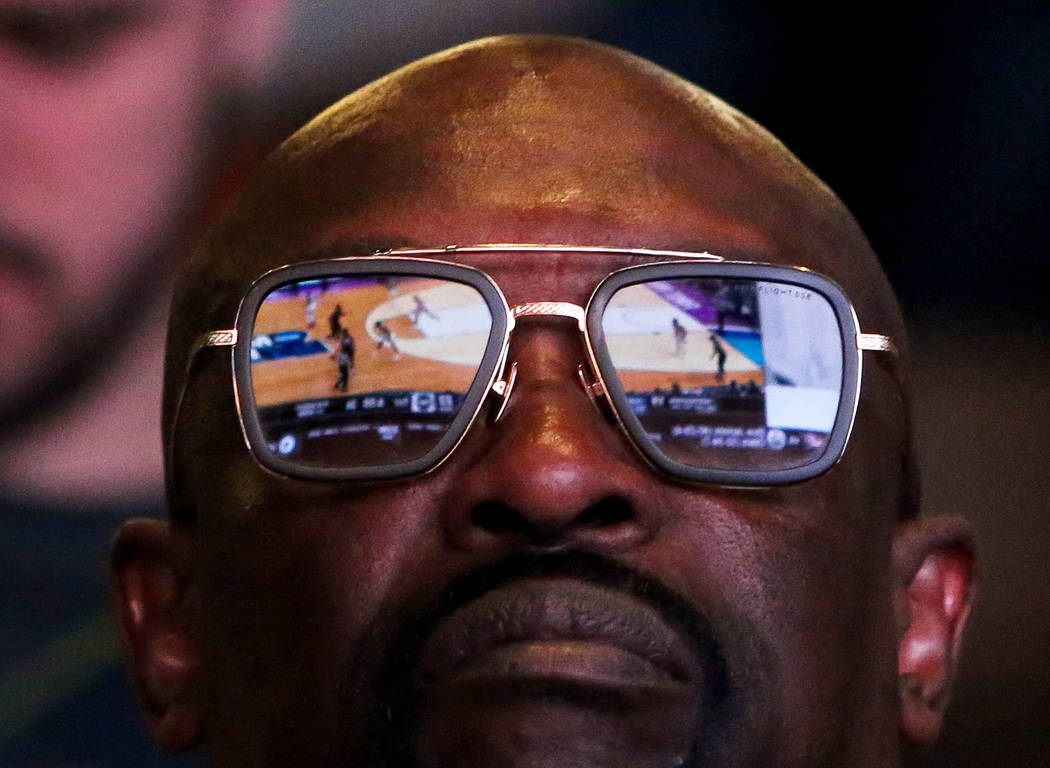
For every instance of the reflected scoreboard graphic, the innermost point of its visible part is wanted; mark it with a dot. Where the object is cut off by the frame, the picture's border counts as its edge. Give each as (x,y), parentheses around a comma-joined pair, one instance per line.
(728,372)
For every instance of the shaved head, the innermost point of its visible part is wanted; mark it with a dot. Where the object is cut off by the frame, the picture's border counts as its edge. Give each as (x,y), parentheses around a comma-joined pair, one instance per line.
(503,608)
(531,138)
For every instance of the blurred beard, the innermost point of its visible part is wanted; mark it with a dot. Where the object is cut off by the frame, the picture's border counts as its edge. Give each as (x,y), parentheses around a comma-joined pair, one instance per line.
(81,354)
(79,358)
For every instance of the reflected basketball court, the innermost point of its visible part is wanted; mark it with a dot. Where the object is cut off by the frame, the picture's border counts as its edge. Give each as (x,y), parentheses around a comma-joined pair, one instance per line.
(434,338)
(369,369)
(373,369)
(666,335)
(726,373)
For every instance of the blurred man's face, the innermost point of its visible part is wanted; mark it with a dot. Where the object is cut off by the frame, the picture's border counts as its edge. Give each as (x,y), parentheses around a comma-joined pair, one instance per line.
(103,120)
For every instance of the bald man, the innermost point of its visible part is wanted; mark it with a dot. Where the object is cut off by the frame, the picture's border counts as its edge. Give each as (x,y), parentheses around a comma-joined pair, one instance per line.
(533,541)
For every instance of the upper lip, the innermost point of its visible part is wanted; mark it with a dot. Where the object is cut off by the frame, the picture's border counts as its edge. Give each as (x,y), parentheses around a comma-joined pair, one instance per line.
(558,609)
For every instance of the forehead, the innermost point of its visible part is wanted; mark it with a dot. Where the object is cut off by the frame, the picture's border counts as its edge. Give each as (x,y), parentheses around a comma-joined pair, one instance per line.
(582,148)
(465,208)
(423,219)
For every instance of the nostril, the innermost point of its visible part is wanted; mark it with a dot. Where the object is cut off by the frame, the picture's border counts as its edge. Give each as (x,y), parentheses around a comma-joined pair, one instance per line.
(496,517)
(608,511)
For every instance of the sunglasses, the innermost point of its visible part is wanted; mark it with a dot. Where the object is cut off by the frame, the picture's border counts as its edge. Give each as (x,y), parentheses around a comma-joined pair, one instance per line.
(375,367)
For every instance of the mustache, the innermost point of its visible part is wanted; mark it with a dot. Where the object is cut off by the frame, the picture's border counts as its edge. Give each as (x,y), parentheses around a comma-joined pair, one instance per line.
(396,690)
(24,257)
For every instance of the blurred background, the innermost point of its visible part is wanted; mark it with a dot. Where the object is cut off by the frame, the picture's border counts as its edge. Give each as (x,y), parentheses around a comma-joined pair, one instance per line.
(931,122)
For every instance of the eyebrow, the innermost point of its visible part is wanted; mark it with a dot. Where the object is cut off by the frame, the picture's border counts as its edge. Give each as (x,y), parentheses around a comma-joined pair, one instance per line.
(67,33)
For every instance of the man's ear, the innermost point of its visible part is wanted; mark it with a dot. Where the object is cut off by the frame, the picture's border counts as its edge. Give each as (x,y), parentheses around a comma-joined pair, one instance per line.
(934,566)
(152,565)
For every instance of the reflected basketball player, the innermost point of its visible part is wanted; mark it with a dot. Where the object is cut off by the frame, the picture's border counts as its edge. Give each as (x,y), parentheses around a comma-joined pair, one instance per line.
(680,334)
(420,308)
(718,352)
(335,322)
(345,359)
(385,338)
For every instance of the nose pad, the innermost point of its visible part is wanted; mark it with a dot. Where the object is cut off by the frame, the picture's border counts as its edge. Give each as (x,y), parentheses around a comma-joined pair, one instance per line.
(595,389)
(502,389)
(597,394)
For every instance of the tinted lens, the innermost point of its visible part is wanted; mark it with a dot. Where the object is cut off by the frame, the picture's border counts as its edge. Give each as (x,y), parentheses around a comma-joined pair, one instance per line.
(728,374)
(364,371)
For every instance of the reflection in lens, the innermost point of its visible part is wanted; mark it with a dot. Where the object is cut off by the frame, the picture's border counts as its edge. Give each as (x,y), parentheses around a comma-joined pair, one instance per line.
(365,370)
(732,374)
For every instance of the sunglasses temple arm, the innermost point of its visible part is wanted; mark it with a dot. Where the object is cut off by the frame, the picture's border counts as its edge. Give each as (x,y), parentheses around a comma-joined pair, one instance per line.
(222,338)
(876,342)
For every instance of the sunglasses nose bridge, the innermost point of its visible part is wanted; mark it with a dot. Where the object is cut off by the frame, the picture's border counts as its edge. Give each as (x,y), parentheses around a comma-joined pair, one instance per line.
(504,385)
(552,309)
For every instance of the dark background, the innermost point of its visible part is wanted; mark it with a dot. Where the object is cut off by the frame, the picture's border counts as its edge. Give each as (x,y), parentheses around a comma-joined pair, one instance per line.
(932,122)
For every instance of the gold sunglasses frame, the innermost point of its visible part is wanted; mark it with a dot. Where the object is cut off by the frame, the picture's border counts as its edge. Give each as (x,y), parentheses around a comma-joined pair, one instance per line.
(500,378)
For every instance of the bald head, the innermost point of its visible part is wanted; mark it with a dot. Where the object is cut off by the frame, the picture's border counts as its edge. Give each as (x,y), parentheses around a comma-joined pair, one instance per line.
(541,139)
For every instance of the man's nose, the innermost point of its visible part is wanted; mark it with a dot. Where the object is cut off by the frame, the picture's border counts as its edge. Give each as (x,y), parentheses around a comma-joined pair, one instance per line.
(553,471)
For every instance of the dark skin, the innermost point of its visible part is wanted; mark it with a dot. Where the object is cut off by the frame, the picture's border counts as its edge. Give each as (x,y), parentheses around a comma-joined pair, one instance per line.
(257,621)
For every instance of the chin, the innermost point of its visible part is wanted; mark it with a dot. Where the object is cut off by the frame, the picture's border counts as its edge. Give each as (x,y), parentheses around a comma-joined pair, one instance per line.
(547,724)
